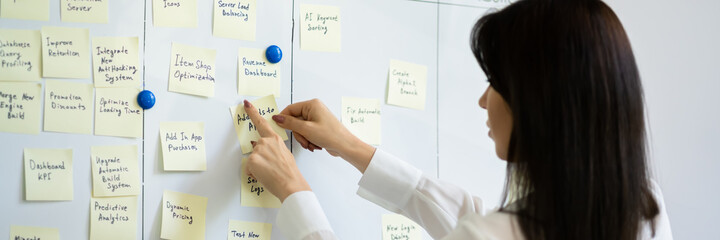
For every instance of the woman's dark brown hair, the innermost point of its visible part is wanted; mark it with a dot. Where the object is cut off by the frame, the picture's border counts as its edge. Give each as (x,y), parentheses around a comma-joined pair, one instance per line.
(578,146)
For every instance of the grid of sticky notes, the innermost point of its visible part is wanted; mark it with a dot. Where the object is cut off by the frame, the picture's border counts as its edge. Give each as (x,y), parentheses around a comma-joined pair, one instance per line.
(396,226)
(244,127)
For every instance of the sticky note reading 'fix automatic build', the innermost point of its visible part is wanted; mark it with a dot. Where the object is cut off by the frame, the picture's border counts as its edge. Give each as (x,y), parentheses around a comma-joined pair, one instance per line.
(113,218)
(20,107)
(48,174)
(253,193)
(175,13)
(320,28)
(115,170)
(20,60)
(235,19)
(94,11)
(68,107)
(25,9)
(396,226)
(32,233)
(249,230)
(192,70)
(362,117)
(183,216)
(407,84)
(246,130)
(183,146)
(257,76)
(65,52)
(116,62)
(117,112)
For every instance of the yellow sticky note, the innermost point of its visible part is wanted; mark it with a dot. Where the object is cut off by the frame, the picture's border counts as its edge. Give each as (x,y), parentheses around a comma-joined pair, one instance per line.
(20,107)
(20,58)
(407,84)
(116,62)
(320,28)
(244,128)
(117,112)
(32,233)
(175,13)
(25,9)
(48,174)
(192,70)
(95,11)
(362,117)
(115,170)
(65,52)
(257,76)
(183,216)
(253,192)
(235,19)
(68,107)
(183,146)
(249,230)
(113,218)
(396,226)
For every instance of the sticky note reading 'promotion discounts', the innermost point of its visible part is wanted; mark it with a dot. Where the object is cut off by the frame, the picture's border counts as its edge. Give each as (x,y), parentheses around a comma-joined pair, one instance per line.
(20,58)
(175,13)
(32,233)
(115,170)
(235,19)
(87,11)
(65,52)
(396,226)
(25,9)
(113,218)
(257,76)
(320,28)
(48,174)
(117,112)
(68,107)
(20,107)
(253,193)
(362,117)
(246,130)
(116,62)
(192,70)
(183,146)
(407,84)
(183,216)
(249,230)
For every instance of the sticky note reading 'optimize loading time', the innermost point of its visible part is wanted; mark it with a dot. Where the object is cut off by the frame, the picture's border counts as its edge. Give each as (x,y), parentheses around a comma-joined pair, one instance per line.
(117,112)
(253,193)
(192,70)
(320,28)
(396,226)
(116,62)
(183,216)
(362,117)
(20,60)
(246,130)
(257,76)
(248,230)
(113,218)
(235,19)
(25,9)
(48,174)
(68,107)
(21,107)
(175,13)
(183,146)
(115,170)
(95,11)
(65,52)
(407,84)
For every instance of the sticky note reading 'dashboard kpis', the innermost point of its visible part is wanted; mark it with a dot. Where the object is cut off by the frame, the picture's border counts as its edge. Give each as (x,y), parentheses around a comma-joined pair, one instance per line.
(246,130)
(396,226)
(362,117)
(320,28)
(115,170)
(48,174)
(33,233)
(20,60)
(183,146)
(407,84)
(20,107)
(248,230)
(183,216)
(113,218)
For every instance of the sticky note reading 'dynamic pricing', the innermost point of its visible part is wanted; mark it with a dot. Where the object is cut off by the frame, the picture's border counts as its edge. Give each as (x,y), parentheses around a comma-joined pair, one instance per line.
(246,130)
(183,216)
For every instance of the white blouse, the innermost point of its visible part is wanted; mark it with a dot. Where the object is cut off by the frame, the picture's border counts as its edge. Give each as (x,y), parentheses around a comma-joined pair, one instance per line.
(445,211)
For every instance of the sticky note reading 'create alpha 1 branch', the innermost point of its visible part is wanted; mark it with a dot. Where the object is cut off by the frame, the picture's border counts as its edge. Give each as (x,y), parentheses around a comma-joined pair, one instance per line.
(48,174)
(65,52)
(246,130)
(183,146)
(320,28)
(407,84)
(183,216)
(20,60)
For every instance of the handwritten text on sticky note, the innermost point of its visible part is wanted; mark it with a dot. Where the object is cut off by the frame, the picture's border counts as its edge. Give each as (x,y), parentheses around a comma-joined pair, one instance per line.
(397,226)
(320,28)
(32,233)
(362,117)
(68,107)
(117,112)
(113,218)
(48,174)
(249,230)
(175,13)
(116,62)
(66,52)
(115,170)
(20,58)
(246,130)
(235,19)
(192,70)
(94,11)
(183,146)
(407,84)
(257,76)
(253,192)
(20,107)
(183,216)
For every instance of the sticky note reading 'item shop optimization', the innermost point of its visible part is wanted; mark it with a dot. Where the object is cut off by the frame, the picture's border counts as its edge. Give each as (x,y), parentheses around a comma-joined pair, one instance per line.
(65,52)
(113,218)
(33,233)
(183,146)
(235,19)
(362,117)
(183,216)
(320,28)
(396,226)
(175,13)
(20,107)
(249,230)
(48,174)
(84,11)
(253,193)
(257,76)
(116,62)
(68,107)
(117,112)
(20,58)
(25,9)
(407,84)
(246,130)
(192,70)
(115,170)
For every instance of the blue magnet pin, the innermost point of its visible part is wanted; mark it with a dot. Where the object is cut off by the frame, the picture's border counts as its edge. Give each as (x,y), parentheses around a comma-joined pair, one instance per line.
(273,54)
(146,99)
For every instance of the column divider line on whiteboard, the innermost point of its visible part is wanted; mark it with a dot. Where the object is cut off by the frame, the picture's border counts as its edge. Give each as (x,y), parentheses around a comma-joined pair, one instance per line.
(292,62)
(142,205)
(437,92)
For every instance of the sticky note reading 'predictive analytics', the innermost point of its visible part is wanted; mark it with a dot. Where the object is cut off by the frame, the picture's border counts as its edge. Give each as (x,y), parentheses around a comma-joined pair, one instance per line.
(320,28)
(95,11)
(257,76)
(396,226)
(235,19)
(115,170)
(48,174)
(407,84)
(183,146)
(249,230)
(25,9)
(175,13)
(246,130)
(192,70)
(68,107)
(21,107)
(117,112)
(65,52)
(362,117)
(39,233)
(183,216)
(113,218)
(116,62)
(20,60)
(253,193)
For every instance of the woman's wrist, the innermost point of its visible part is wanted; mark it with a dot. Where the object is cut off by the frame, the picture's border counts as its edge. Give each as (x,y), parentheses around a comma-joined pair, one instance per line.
(358,153)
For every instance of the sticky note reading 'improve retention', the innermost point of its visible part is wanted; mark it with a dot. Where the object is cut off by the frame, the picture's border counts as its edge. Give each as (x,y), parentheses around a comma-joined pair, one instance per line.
(362,117)
(20,58)
(113,218)
(32,233)
(115,170)
(235,19)
(249,230)
(396,226)
(117,112)
(175,13)
(65,52)
(183,146)
(257,76)
(320,28)
(246,130)
(183,216)
(48,174)
(116,62)
(407,84)
(95,11)
(253,193)
(20,107)
(68,107)
(25,9)
(192,70)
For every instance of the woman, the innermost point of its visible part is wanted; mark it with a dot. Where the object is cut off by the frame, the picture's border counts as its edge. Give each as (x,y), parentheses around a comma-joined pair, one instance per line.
(565,110)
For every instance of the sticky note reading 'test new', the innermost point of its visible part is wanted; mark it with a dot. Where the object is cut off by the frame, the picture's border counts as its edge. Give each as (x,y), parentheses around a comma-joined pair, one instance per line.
(48,174)
(68,107)
(116,62)
(117,112)
(20,111)
(407,84)
(95,11)
(362,117)
(115,170)
(244,127)
(65,52)
(396,226)
(25,9)
(113,218)
(249,230)
(192,70)
(183,146)
(235,19)
(20,58)
(175,13)
(320,28)
(257,76)
(253,193)
(183,216)
(31,233)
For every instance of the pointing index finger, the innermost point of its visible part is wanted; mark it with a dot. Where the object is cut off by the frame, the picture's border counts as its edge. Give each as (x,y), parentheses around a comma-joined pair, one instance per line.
(261,124)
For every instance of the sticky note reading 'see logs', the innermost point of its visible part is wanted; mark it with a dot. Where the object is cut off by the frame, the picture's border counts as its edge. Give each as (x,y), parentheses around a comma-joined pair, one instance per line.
(246,130)
(253,193)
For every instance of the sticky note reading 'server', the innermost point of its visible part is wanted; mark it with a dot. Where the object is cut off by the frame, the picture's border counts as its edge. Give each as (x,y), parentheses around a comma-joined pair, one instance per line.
(320,28)
(249,230)
(183,146)
(362,117)
(32,233)
(25,9)
(95,11)
(116,62)
(235,19)
(396,226)
(113,218)
(253,193)
(407,84)
(68,107)
(257,76)
(48,174)
(20,111)
(65,52)
(246,130)
(183,216)
(192,70)
(117,112)
(20,58)
(175,13)
(115,170)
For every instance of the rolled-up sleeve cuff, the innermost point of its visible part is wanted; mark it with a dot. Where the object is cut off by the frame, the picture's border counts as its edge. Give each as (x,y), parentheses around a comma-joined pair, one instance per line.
(301,215)
(388,181)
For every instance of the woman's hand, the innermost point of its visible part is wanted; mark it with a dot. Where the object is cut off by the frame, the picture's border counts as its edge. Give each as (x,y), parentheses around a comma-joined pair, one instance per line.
(271,163)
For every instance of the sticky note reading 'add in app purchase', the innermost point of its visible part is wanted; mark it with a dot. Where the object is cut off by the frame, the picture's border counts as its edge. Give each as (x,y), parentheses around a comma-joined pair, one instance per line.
(183,146)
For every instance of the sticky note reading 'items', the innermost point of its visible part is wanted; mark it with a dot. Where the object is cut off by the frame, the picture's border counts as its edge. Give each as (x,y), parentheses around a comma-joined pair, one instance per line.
(362,117)
(116,62)
(396,226)
(257,76)
(48,174)
(20,58)
(113,218)
(192,70)
(20,107)
(407,84)
(320,28)
(86,11)
(25,9)
(183,146)
(183,216)
(68,107)
(117,112)
(175,13)
(246,130)
(115,170)
(249,230)
(235,19)
(33,233)
(65,52)
(253,192)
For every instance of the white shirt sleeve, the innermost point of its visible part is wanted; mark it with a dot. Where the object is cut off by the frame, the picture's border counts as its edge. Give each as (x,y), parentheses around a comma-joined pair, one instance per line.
(301,217)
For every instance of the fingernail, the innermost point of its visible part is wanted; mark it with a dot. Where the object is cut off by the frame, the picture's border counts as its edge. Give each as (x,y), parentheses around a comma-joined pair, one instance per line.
(278,118)
(247,104)
(253,143)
